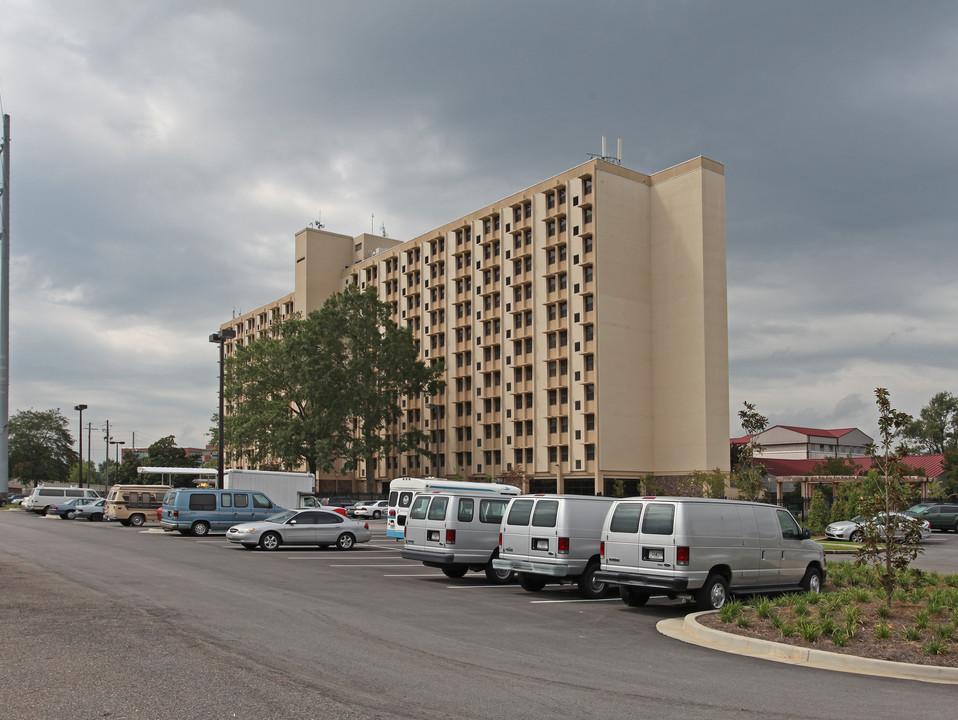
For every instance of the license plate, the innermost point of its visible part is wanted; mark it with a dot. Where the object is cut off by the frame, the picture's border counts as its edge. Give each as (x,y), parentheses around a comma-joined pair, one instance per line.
(540,543)
(655,555)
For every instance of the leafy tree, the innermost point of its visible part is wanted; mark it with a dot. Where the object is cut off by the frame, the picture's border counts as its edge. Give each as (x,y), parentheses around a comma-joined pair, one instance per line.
(749,474)
(889,541)
(947,487)
(712,483)
(325,389)
(90,474)
(834,466)
(40,447)
(817,513)
(935,430)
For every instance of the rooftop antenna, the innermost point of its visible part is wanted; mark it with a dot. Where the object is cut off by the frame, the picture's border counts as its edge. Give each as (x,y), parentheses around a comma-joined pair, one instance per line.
(383,226)
(318,224)
(617,160)
(372,224)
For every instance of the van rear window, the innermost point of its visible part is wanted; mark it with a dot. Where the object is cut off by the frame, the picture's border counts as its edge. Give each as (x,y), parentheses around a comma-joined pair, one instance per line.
(625,519)
(520,512)
(202,501)
(437,508)
(418,510)
(545,514)
(659,519)
(260,501)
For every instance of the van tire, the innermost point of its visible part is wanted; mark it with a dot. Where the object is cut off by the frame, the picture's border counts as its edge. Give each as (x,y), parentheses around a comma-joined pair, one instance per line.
(499,577)
(812,582)
(713,594)
(199,529)
(588,587)
(633,597)
(455,571)
(43,513)
(345,542)
(531,582)
(137,520)
(269,541)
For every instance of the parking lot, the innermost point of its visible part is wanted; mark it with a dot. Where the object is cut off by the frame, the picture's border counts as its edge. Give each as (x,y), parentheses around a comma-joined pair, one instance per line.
(365,633)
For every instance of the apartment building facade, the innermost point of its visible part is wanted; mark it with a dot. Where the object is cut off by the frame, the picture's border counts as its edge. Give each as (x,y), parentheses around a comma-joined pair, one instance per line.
(582,322)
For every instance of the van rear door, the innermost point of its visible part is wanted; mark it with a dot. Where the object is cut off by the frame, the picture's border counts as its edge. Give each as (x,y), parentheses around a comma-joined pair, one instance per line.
(435,524)
(622,537)
(515,528)
(795,554)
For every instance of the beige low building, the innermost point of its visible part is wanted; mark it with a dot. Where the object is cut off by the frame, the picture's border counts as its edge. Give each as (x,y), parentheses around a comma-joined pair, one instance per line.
(583,324)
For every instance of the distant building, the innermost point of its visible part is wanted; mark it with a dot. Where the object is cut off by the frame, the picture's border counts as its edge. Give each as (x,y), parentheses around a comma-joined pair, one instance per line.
(787,442)
(582,322)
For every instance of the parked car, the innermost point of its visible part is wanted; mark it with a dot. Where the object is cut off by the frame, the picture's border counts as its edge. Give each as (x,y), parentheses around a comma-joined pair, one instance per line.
(67,509)
(300,527)
(340,502)
(374,509)
(851,529)
(15,498)
(92,511)
(941,516)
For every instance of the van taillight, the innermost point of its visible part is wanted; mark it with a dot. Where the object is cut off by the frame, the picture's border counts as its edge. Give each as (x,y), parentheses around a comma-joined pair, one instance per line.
(681,556)
(450,537)
(500,540)
(176,513)
(602,548)
(563,547)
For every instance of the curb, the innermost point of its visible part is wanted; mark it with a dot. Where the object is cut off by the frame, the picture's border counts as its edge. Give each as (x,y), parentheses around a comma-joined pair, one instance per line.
(688,630)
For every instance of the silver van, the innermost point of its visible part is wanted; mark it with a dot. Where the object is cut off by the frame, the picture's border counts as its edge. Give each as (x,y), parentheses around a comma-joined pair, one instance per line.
(706,549)
(456,532)
(43,496)
(554,538)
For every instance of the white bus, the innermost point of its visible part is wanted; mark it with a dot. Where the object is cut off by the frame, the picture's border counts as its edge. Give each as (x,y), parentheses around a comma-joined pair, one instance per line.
(402,490)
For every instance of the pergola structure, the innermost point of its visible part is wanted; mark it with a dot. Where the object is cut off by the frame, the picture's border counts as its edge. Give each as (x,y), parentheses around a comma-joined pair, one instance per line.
(808,483)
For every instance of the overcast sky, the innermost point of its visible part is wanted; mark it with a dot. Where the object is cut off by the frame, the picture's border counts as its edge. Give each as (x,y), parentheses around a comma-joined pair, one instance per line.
(164,154)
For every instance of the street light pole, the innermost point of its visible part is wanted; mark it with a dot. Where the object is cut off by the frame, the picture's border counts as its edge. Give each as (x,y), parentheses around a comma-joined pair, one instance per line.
(81,408)
(220,338)
(116,444)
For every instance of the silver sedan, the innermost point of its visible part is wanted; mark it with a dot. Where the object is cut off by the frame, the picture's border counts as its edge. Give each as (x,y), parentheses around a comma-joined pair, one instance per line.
(300,527)
(851,529)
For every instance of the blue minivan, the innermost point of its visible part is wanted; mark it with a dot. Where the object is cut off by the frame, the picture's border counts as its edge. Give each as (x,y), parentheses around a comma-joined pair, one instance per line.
(200,511)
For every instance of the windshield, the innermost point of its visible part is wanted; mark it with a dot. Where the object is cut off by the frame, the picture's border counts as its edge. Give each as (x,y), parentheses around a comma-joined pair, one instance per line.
(280,518)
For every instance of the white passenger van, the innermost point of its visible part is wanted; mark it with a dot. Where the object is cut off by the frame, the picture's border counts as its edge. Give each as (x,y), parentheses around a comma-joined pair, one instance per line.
(402,490)
(42,497)
(554,538)
(456,531)
(706,549)
(134,504)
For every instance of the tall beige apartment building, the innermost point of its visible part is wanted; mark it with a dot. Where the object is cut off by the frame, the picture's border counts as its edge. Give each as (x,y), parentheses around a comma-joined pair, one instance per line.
(583,324)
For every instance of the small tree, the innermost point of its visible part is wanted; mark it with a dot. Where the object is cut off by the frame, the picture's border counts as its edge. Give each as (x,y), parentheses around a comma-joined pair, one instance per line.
(817,513)
(712,483)
(890,541)
(749,474)
(40,447)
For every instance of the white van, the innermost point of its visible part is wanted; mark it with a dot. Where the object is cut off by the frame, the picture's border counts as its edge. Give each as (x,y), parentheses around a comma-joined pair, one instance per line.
(706,549)
(403,489)
(456,532)
(554,537)
(42,497)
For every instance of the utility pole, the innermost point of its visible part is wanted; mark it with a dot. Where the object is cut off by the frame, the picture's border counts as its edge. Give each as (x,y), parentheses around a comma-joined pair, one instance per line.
(106,462)
(5,310)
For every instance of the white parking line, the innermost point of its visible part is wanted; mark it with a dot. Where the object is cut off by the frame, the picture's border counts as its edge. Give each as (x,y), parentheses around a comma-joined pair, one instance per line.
(355,566)
(552,602)
(416,575)
(478,587)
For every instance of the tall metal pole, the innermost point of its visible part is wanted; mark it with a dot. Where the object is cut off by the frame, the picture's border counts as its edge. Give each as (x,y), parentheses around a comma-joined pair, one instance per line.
(5,310)
(106,462)
(81,408)
(220,338)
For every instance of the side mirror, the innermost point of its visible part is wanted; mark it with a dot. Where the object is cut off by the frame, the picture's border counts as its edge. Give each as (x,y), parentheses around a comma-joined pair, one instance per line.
(291,522)
(806,535)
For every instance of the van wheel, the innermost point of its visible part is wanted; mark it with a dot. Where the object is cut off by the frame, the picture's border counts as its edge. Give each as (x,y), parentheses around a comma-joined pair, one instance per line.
(269,541)
(345,542)
(137,520)
(589,587)
(455,571)
(531,582)
(200,528)
(499,577)
(812,582)
(633,597)
(43,513)
(713,594)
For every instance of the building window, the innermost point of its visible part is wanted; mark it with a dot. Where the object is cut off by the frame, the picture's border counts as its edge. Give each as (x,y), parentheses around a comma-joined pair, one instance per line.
(550,200)
(551,228)
(587,273)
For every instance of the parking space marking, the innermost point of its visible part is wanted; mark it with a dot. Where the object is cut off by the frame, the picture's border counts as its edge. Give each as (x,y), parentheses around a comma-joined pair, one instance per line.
(479,587)
(416,575)
(381,566)
(580,600)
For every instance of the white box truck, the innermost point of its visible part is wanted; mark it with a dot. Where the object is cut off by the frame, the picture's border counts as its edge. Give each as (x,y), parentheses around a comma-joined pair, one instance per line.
(287,489)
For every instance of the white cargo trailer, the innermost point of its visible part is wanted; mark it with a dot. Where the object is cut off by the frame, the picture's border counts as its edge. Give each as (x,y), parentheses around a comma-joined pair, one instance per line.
(287,489)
